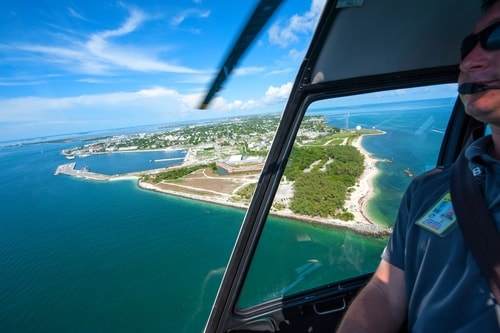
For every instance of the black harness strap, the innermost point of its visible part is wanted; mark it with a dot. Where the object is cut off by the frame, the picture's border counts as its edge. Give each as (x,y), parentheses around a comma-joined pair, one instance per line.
(478,227)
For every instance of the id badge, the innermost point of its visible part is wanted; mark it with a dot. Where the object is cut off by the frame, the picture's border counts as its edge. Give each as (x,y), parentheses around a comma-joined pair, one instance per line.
(441,218)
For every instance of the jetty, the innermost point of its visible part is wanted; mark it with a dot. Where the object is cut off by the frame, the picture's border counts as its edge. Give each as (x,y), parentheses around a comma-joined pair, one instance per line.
(69,169)
(65,168)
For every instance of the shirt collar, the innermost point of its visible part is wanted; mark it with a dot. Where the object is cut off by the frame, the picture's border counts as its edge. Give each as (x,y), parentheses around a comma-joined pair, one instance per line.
(480,149)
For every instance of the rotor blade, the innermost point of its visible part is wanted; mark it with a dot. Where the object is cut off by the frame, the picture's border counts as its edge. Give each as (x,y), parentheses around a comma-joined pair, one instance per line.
(259,18)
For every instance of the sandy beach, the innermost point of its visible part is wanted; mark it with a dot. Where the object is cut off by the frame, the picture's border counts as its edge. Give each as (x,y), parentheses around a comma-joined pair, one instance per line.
(203,189)
(363,191)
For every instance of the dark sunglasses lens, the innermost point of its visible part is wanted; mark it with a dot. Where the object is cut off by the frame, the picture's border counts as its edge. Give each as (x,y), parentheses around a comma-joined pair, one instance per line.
(468,44)
(489,39)
(493,40)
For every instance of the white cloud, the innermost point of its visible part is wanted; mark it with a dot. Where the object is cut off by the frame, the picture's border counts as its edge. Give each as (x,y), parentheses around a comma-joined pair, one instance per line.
(281,93)
(296,55)
(74,13)
(99,45)
(241,71)
(35,108)
(121,109)
(135,19)
(284,34)
(9,82)
(272,97)
(100,53)
(92,80)
(182,16)
(281,71)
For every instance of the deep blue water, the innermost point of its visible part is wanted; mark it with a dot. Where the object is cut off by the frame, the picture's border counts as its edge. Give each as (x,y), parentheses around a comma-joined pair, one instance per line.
(89,256)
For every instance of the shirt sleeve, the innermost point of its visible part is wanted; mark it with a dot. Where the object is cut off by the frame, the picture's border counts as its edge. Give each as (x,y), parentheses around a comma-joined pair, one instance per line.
(422,192)
(394,252)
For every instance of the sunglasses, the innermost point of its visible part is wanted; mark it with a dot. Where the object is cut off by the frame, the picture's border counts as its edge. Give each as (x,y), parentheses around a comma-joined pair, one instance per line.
(489,39)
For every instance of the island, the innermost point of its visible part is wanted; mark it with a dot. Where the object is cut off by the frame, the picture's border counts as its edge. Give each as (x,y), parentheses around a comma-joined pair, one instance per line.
(326,181)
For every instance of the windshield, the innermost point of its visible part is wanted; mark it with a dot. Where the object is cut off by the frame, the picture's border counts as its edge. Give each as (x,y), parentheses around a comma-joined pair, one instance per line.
(337,201)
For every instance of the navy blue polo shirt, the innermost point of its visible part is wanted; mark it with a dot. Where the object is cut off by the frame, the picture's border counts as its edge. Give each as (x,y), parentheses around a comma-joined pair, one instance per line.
(446,291)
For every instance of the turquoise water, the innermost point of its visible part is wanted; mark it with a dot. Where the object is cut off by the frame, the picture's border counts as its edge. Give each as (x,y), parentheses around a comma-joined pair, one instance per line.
(88,256)
(85,256)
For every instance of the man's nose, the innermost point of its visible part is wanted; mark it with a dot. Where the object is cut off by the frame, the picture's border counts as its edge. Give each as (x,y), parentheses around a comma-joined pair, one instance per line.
(476,58)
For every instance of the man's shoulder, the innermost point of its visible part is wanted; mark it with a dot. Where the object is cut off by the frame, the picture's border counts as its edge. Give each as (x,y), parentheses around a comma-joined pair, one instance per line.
(442,171)
(436,178)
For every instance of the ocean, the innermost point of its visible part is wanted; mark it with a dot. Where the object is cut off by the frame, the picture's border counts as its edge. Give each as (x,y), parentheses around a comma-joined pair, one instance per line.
(89,256)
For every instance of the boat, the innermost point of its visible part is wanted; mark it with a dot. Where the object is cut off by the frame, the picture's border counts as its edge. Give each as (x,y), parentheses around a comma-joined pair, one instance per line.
(408,172)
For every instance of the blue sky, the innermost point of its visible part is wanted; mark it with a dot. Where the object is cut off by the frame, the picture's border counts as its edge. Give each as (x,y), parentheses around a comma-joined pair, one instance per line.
(71,66)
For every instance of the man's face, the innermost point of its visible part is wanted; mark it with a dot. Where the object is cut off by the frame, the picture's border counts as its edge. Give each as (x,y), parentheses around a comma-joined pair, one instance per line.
(482,66)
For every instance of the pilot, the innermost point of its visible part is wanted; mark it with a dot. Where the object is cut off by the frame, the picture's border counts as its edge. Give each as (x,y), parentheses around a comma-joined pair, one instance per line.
(428,279)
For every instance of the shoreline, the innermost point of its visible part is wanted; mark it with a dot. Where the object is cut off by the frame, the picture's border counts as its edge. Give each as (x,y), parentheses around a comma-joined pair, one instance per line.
(363,228)
(354,203)
(363,192)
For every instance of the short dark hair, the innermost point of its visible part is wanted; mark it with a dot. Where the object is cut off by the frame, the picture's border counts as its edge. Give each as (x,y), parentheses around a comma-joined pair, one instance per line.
(487,4)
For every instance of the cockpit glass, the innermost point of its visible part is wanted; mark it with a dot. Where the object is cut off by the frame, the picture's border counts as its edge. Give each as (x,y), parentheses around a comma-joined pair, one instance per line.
(350,164)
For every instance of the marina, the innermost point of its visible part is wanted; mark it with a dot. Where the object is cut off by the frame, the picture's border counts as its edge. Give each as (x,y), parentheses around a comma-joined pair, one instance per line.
(119,164)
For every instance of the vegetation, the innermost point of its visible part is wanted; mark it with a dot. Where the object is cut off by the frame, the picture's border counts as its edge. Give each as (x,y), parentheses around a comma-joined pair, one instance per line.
(323,175)
(176,173)
(247,191)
